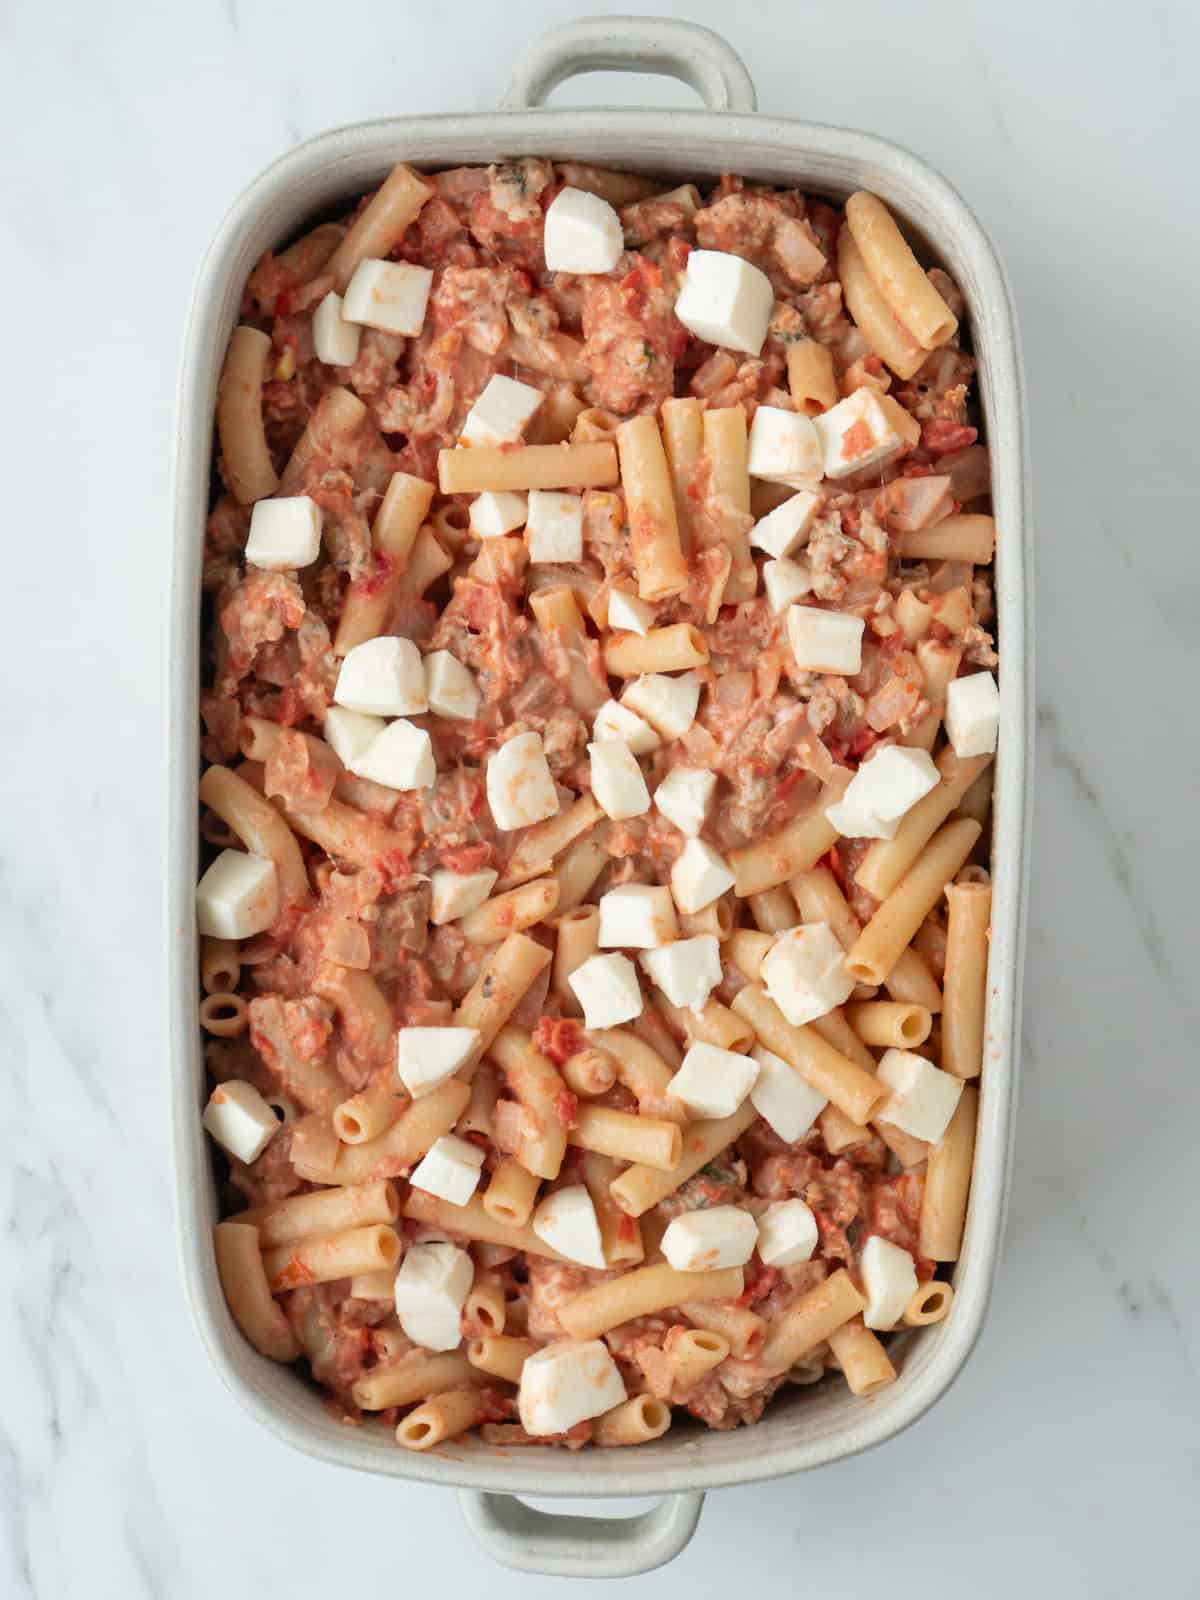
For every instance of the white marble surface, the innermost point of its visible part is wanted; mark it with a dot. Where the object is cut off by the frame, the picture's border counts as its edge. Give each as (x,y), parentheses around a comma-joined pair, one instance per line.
(1067,1459)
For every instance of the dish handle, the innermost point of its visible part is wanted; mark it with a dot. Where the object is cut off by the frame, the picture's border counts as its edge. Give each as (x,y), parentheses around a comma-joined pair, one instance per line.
(518,1536)
(661,45)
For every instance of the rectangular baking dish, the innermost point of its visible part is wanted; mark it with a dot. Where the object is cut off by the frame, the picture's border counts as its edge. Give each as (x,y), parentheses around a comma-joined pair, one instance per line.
(805,1428)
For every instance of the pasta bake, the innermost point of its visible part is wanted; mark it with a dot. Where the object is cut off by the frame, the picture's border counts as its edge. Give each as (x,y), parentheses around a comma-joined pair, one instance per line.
(598,719)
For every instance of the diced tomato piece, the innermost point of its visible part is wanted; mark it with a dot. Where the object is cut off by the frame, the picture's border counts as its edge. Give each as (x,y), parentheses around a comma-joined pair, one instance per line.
(940,437)
(558,1038)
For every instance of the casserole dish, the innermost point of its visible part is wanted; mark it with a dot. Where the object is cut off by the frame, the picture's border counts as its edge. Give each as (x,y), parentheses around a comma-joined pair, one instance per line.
(808,1428)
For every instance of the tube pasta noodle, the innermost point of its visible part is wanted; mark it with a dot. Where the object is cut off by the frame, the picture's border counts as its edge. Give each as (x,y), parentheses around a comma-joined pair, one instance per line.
(426,564)
(773,910)
(911,983)
(313,1216)
(715,919)
(931,1303)
(948,1183)
(618,188)
(649,1141)
(511,1193)
(641,1186)
(888,860)
(640,1294)
(939,664)
(581,864)
(747,950)
(333,1255)
(726,448)
(536,1083)
(887,338)
(683,440)
(441,1417)
(505,976)
(887,1024)
(908,1151)
(810,1320)
(484,1307)
(692,1352)
(650,501)
(896,272)
(381,224)
(838,1132)
(558,617)
(811,381)
(473,1221)
(414,1377)
(500,1356)
(362,1008)
(409,1137)
(712,1024)
(260,828)
(510,912)
(851,1088)
(485,1091)
(576,938)
(891,928)
(240,426)
(820,899)
(620,1236)
(644,1072)
(794,849)
(345,832)
(327,438)
(377,1285)
(633,1422)
(652,1030)
(403,509)
(861,1357)
(835,1030)
(225,1016)
(531,466)
(556,417)
(741,1328)
(545,841)
(589,1073)
(965,985)
(660,650)
(248,1294)
(369,1113)
(966,537)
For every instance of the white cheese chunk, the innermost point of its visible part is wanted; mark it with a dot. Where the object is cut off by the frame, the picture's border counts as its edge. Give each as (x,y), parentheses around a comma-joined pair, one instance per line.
(565,1383)
(856,433)
(554,529)
(389,295)
(334,339)
(383,677)
(687,970)
(349,733)
(400,758)
(785,582)
(582,233)
(706,1241)
(787,527)
(240,1120)
(889,1278)
(972,713)
(450,688)
(617,781)
(566,1221)
(712,1082)
(615,721)
(784,448)
(725,301)
(684,797)
(782,1098)
(450,1169)
(638,916)
(427,1057)
(825,641)
(501,413)
(668,703)
(699,876)
(607,989)
(804,972)
(520,786)
(923,1097)
(433,1282)
(884,788)
(497,512)
(284,533)
(629,613)
(453,894)
(238,896)
(787,1233)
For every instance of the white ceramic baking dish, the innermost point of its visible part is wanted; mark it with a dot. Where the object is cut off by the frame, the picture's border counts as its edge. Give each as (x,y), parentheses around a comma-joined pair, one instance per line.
(803,1428)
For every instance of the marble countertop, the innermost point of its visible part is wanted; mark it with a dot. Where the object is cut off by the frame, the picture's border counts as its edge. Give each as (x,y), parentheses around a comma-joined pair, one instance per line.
(1066,1460)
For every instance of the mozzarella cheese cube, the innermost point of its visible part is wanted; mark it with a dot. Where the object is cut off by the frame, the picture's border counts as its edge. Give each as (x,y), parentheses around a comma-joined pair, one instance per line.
(554,529)
(784,448)
(520,786)
(825,641)
(785,582)
(725,301)
(383,677)
(972,714)
(607,989)
(684,797)
(450,688)
(687,971)
(450,1169)
(923,1097)
(240,1120)
(453,894)
(427,1057)
(566,1221)
(629,613)
(334,339)
(787,527)
(856,433)
(582,233)
(699,876)
(567,1382)
(668,704)
(889,1279)
(433,1281)
(617,781)
(782,1098)
(400,758)
(497,512)
(787,1233)
(615,721)
(238,896)
(638,916)
(500,414)
(349,733)
(883,789)
(804,972)
(714,1082)
(706,1241)
(284,533)
(389,295)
